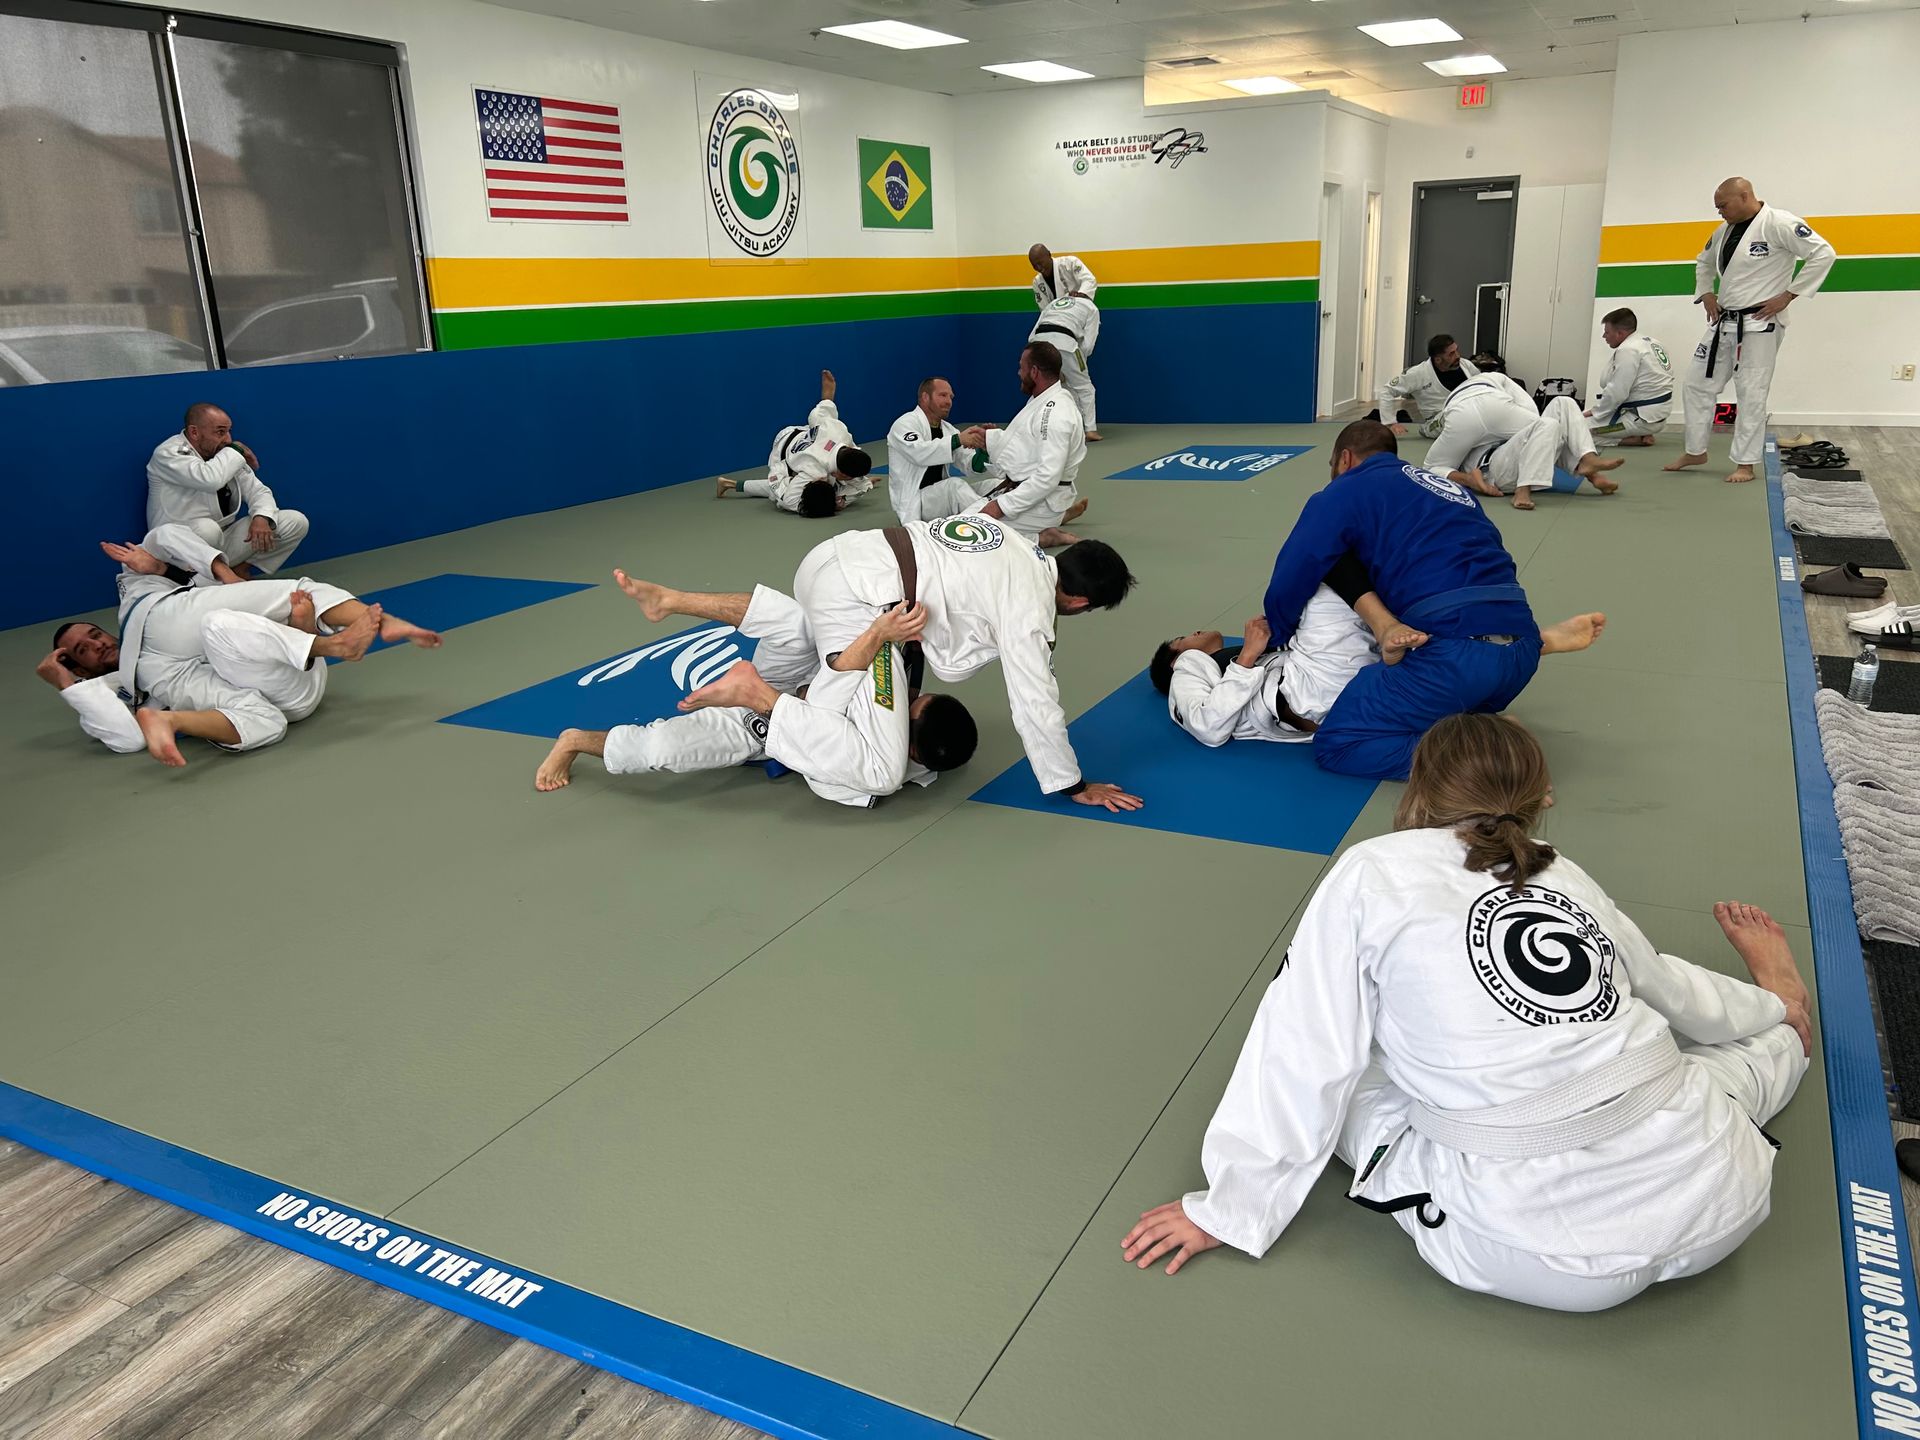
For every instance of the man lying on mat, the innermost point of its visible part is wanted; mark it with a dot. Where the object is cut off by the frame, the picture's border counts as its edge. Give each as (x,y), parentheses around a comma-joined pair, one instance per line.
(988,596)
(814,468)
(853,728)
(1554,1111)
(231,663)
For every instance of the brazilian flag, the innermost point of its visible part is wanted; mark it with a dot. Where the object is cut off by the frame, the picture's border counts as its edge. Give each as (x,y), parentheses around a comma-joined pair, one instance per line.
(896,186)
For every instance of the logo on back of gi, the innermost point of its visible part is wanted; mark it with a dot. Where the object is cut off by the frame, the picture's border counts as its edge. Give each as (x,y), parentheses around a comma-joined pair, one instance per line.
(699,657)
(1251,463)
(969,534)
(753,172)
(1546,960)
(1438,484)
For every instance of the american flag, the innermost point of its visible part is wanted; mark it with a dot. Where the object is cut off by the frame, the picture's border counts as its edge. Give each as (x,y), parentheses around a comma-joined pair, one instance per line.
(548,159)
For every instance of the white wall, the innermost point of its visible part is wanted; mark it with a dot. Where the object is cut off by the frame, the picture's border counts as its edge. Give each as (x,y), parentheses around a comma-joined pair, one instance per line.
(1847,149)
(1356,161)
(1551,133)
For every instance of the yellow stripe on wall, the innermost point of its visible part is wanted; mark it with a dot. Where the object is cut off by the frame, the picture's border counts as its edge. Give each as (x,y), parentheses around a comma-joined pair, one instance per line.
(1848,234)
(461,282)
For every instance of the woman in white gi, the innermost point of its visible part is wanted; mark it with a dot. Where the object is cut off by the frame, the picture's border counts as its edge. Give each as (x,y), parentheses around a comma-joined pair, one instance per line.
(1553,1110)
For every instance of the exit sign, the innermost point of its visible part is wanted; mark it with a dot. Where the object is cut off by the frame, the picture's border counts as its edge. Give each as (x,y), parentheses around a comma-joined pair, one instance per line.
(1476,96)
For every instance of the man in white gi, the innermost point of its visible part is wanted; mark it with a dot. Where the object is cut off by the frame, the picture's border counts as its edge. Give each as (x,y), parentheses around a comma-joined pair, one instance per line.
(1494,440)
(851,727)
(1057,276)
(1425,387)
(1635,396)
(1553,1111)
(1071,325)
(205,479)
(922,447)
(987,596)
(813,469)
(1752,255)
(1037,458)
(228,663)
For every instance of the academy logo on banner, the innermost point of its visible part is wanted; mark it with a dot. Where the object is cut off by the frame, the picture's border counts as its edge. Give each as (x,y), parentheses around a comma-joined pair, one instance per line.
(752,170)
(1214,462)
(896,186)
(632,688)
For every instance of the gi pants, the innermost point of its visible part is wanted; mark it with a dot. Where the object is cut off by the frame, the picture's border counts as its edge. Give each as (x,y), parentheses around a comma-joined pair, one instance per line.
(1559,438)
(289,529)
(1760,1075)
(1749,365)
(1379,718)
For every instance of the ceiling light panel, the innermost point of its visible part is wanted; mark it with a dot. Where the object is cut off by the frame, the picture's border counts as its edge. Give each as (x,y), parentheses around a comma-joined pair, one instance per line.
(894,34)
(1262,85)
(1040,72)
(1463,65)
(1411,32)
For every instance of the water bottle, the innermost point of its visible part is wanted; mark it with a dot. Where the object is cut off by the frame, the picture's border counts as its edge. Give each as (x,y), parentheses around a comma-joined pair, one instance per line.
(1866,670)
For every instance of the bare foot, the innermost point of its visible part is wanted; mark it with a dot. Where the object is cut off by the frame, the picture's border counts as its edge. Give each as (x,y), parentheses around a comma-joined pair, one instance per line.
(1522,499)
(557,769)
(1591,465)
(1095,435)
(1053,537)
(300,612)
(157,726)
(393,630)
(1635,440)
(741,685)
(1074,511)
(1576,633)
(351,642)
(1398,640)
(1604,485)
(1741,475)
(723,487)
(1761,942)
(1685,462)
(651,598)
(246,572)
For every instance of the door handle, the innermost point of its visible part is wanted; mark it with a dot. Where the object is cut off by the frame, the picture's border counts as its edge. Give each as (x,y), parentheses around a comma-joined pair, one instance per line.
(1326,314)
(1426,299)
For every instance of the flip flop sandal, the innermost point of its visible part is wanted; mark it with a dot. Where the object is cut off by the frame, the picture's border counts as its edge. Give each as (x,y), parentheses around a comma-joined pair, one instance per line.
(1796,442)
(1845,580)
(1897,636)
(1821,460)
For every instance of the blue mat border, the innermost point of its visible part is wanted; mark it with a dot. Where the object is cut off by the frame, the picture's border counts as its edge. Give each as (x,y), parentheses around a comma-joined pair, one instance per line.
(786,1402)
(1856,1088)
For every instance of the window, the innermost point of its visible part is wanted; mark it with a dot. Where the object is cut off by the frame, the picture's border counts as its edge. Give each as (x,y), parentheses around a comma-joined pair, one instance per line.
(287,151)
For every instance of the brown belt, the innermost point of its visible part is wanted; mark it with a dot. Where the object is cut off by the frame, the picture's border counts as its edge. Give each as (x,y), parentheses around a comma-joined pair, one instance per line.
(901,544)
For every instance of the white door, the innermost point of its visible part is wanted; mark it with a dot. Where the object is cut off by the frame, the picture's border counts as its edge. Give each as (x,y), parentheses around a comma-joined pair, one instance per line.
(1575,330)
(1329,293)
(1364,386)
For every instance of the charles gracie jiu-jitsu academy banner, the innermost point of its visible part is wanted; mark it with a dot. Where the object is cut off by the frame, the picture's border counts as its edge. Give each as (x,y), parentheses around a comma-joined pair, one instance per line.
(752,172)
(896,186)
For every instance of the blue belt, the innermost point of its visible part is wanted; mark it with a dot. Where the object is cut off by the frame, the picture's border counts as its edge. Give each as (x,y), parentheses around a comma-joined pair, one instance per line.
(1634,405)
(1425,612)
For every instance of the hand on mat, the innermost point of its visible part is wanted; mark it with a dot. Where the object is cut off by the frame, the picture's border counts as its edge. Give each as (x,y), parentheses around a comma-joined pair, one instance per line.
(1772,307)
(898,626)
(1712,302)
(246,454)
(260,533)
(1165,1228)
(137,559)
(55,670)
(1108,797)
(1254,640)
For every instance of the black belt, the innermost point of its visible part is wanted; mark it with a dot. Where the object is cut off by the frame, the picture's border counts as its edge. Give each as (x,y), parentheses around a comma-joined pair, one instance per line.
(1739,318)
(1047,327)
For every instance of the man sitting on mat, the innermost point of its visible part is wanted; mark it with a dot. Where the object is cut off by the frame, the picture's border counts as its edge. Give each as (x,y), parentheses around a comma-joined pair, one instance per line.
(204,479)
(1496,441)
(813,469)
(1553,1111)
(228,663)
(987,596)
(1036,459)
(853,728)
(1636,392)
(923,446)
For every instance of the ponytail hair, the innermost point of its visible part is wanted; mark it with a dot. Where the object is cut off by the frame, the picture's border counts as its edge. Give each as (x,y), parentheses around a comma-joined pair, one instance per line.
(1485,778)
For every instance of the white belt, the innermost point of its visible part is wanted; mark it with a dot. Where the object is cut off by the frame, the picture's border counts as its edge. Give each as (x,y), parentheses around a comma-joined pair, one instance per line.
(1586,1110)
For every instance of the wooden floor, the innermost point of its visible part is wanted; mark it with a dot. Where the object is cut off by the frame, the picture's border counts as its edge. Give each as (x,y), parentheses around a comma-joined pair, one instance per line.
(124,1317)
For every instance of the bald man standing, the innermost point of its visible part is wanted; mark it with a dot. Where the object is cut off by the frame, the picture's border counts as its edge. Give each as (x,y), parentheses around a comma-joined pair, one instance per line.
(1751,257)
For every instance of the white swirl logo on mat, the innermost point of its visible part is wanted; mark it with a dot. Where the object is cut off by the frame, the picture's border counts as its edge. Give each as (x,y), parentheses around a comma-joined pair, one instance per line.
(967,533)
(703,657)
(1439,484)
(1251,463)
(1541,956)
(753,172)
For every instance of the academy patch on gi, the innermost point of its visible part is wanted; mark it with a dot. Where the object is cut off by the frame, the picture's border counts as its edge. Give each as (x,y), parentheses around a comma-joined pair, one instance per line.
(1438,484)
(883,678)
(1542,957)
(1759,248)
(1213,462)
(968,534)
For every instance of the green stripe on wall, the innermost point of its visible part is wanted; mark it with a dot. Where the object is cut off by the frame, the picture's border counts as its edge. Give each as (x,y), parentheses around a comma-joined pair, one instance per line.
(475,329)
(1860,272)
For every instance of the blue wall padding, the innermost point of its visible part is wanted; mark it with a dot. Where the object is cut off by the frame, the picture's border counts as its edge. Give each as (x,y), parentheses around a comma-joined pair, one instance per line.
(1253,791)
(381,451)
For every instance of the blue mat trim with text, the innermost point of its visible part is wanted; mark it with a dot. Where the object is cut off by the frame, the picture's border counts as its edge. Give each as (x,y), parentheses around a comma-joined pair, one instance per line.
(1213,462)
(1253,791)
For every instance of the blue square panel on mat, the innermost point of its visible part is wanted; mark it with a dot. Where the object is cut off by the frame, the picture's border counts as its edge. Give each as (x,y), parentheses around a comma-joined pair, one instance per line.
(631,688)
(1213,462)
(1253,791)
(445,602)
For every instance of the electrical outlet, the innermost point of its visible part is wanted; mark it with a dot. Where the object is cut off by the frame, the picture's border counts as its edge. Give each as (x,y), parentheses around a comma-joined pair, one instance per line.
(1906,372)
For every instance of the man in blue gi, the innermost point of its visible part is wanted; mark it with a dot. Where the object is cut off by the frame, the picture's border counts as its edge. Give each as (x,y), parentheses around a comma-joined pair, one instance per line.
(1438,563)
